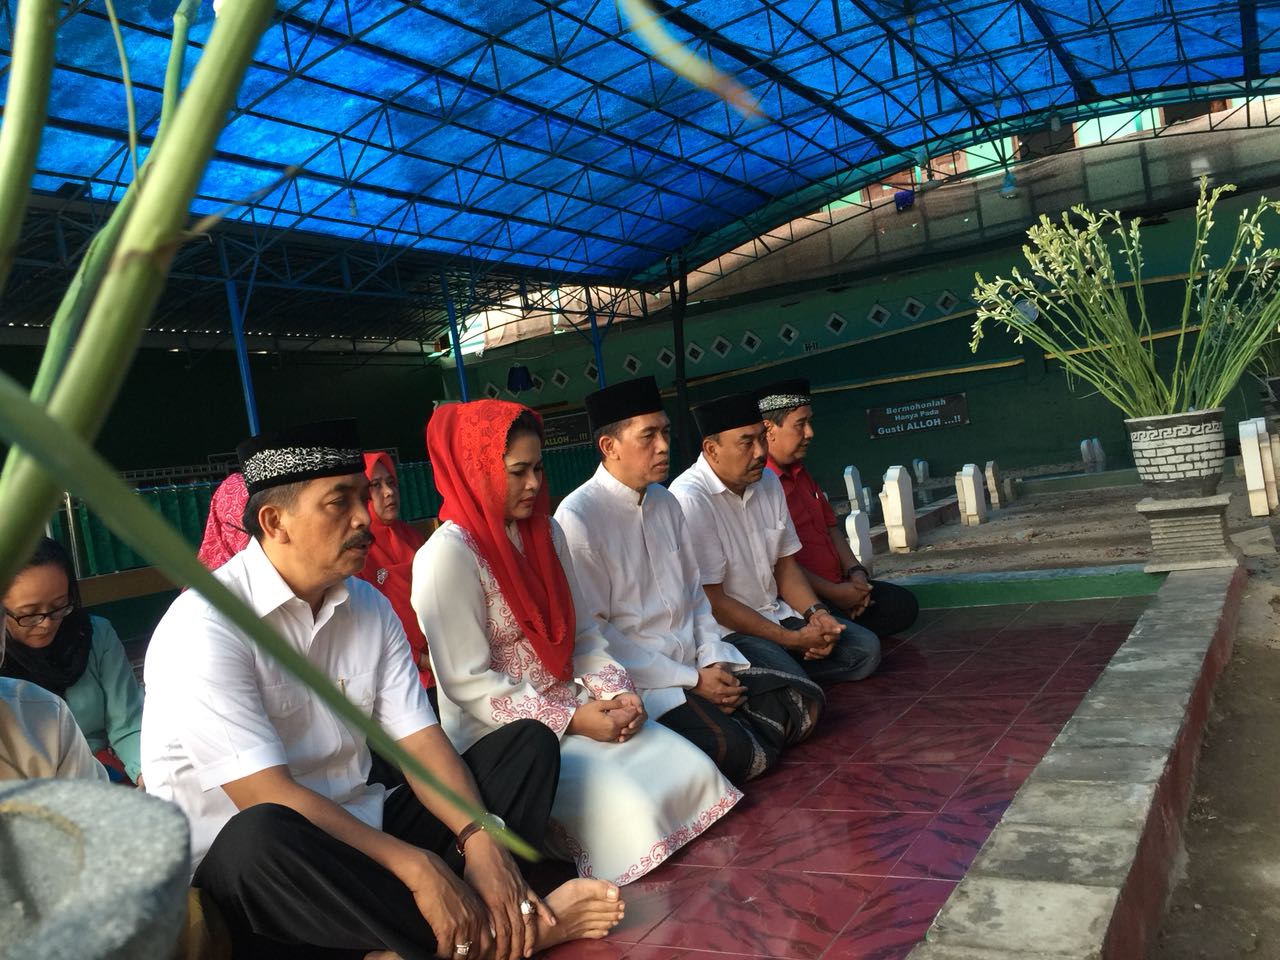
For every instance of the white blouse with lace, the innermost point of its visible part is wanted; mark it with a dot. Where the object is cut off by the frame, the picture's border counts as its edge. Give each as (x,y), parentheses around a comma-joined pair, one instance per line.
(623,808)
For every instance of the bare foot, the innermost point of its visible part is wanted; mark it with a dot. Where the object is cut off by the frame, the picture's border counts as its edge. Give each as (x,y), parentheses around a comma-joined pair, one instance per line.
(381,955)
(584,909)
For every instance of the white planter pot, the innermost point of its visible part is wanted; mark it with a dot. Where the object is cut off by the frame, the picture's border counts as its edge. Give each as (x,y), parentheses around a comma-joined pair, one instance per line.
(90,871)
(1179,454)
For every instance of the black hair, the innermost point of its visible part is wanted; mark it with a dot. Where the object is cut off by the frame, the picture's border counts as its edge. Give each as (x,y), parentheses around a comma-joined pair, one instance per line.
(609,430)
(777,417)
(526,424)
(283,497)
(50,553)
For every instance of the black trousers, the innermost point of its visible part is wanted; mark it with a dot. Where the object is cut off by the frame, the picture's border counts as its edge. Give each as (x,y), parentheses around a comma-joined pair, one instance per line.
(895,609)
(289,890)
(782,707)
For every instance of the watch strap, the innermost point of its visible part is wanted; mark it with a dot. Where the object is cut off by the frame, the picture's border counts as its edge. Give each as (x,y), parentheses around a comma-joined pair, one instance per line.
(467,832)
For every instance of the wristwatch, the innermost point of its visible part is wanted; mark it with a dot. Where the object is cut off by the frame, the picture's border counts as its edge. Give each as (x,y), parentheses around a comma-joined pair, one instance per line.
(489,822)
(856,568)
(814,609)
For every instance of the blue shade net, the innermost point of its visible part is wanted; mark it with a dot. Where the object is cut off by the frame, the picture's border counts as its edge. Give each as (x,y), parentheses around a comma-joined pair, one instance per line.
(541,134)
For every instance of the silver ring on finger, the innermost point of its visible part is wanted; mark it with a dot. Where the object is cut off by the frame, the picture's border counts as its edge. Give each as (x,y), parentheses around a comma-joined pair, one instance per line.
(462,949)
(526,908)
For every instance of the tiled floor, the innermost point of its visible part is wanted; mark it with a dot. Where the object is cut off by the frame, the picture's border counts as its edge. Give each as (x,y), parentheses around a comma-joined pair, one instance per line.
(851,846)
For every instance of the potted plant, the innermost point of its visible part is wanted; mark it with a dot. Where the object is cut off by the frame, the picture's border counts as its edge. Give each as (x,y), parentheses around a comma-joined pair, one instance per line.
(1082,301)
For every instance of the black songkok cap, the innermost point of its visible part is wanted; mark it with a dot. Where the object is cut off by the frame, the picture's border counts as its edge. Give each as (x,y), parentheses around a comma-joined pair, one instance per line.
(784,395)
(726,413)
(308,451)
(622,401)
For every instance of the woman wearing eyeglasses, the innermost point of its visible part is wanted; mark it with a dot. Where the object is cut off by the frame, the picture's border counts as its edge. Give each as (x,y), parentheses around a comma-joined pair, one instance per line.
(55,644)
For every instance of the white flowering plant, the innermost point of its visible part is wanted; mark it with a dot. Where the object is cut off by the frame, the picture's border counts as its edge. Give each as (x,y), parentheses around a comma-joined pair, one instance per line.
(1082,301)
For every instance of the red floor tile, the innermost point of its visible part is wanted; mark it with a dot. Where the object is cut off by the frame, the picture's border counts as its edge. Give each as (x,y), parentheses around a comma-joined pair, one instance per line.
(988,791)
(943,639)
(998,682)
(938,709)
(912,659)
(786,784)
(652,898)
(1075,678)
(587,950)
(1051,707)
(902,684)
(904,787)
(765,914)
(644,952)
(1024,743)
(848,849)
(893,920)
(944,744)
(946,848)
(834,841)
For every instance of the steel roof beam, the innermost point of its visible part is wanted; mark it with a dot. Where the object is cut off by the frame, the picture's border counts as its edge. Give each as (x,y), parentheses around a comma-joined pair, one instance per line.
(729,48)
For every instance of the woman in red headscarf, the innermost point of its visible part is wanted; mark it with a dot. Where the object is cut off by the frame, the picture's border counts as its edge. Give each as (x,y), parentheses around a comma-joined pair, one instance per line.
(224,534)
(495,593)
(389,566)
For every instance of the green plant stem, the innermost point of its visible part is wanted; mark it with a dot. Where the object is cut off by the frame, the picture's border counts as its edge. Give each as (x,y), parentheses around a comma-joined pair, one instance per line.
(131,110)
(73,463)
(177,61)
(25,106)
(133,282)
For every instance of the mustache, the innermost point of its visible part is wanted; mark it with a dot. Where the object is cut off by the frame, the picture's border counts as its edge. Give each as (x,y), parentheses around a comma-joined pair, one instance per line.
(758,464)
(362,539)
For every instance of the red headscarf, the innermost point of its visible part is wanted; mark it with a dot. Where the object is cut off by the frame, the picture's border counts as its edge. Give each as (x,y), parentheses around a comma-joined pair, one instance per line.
(466,443)
(224,534)
(389,567)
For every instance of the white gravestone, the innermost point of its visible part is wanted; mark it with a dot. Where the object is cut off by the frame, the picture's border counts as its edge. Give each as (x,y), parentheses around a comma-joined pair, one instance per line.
(1268,465)
(1099,455)
(857,527)
(972,496)
(854,488)
(921,469)
(867,498)
(1275,457)
(1087,455)
(1254,479)
(994,489)
(898,506)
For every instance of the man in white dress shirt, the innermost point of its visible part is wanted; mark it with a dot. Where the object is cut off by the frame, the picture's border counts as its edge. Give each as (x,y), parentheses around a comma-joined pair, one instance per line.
(746,546)
(638,576)
(297,850)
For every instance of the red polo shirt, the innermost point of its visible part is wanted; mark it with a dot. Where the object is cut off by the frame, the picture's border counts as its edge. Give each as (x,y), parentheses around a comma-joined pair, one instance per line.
(813,517)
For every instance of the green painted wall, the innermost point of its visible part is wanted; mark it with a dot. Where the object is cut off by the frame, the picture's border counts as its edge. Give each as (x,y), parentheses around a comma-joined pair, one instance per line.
(172,413)
(1020,415)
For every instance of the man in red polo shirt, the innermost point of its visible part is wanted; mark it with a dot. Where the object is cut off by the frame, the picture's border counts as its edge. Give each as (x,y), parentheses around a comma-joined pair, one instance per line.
(833,571)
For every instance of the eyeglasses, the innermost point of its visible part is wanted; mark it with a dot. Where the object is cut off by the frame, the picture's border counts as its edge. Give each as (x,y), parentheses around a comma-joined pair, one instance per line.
(35,619)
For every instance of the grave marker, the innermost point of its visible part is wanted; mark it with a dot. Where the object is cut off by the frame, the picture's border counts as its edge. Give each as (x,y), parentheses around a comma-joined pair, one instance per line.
(972,496)
(857,527)
(1254,479)
(854,488)
(898,506)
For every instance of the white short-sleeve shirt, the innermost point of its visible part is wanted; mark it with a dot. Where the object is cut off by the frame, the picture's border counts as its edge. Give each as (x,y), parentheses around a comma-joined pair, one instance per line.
(218,708)
(739,539)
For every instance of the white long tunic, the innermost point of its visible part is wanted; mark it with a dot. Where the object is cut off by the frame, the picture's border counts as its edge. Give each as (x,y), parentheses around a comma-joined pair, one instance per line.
(624,807)
(739,539)
(39,737)
(638,574)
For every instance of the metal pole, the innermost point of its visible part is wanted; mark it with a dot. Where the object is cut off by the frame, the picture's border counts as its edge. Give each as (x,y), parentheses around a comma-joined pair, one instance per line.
(70,513)
(454,338)
(242,358)
(597,340)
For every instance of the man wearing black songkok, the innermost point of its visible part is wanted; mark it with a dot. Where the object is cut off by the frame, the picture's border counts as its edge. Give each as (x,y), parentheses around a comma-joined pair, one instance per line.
(746,546)
(638,576)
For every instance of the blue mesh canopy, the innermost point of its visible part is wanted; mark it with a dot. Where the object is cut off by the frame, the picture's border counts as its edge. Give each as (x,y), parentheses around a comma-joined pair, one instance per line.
(542,135)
